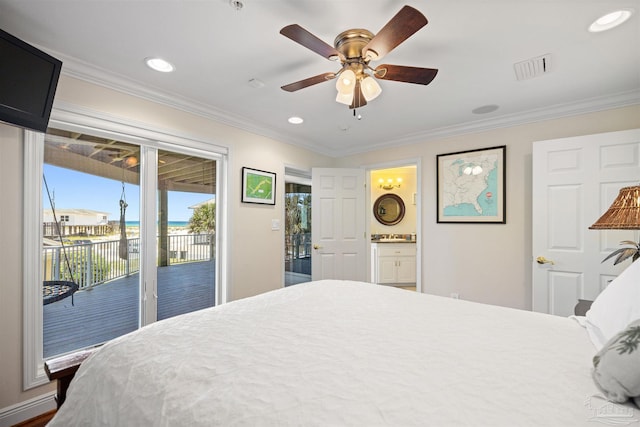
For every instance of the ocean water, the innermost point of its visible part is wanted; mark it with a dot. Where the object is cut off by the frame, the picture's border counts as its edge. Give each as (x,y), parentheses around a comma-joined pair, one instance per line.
(170,223)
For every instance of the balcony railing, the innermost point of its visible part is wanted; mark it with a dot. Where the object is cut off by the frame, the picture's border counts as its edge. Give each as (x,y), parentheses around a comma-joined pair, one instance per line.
(297,256)
(98,262)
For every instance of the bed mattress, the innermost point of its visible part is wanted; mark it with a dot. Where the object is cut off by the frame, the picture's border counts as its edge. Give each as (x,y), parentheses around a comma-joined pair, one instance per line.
(340,353)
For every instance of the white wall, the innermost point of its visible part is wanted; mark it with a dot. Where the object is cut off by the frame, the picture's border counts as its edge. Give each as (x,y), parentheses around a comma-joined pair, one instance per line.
(489,263)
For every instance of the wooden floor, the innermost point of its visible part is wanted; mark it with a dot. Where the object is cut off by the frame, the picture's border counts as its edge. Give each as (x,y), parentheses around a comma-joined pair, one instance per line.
(39,421)
(111,309)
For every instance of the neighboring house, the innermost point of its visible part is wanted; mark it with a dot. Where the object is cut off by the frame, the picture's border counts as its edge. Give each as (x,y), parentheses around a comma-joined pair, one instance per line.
(206,202)
(73,222)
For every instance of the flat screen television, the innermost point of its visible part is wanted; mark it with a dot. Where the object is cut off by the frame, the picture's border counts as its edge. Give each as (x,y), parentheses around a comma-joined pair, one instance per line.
(28,81)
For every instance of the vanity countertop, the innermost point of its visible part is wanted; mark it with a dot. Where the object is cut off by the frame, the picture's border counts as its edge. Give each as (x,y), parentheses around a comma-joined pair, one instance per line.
(392,241)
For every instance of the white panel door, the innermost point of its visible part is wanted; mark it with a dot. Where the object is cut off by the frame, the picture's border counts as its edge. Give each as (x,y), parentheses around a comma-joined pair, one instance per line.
(575,180)
(338,224)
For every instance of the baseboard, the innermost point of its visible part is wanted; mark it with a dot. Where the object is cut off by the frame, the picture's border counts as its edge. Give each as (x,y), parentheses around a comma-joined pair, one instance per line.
(28,409)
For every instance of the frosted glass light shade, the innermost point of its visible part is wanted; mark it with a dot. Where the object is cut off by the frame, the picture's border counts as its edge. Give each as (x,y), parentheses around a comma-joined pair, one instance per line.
(345,98)
(346,82)
(370,88)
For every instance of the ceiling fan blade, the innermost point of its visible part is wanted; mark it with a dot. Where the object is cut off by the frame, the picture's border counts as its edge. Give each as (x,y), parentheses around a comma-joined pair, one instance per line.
(402,26)
(358,97)
(299,35)
(292,87)
(401,73)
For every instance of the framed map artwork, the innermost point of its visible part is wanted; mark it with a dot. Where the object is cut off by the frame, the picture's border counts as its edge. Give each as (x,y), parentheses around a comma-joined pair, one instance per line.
(471,186)
(258,186)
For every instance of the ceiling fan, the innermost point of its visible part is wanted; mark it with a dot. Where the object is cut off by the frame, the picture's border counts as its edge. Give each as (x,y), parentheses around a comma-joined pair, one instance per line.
(354,49)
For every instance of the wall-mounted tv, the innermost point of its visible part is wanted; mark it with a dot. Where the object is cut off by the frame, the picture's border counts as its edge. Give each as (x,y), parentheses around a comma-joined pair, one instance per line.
(28,81)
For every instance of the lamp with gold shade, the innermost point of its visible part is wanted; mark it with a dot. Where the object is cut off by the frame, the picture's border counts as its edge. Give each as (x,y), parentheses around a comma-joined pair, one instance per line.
(623,214)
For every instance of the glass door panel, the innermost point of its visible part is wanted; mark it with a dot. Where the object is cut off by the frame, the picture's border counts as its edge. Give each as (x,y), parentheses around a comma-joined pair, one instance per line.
(90,250)
(297,233)
(186,233)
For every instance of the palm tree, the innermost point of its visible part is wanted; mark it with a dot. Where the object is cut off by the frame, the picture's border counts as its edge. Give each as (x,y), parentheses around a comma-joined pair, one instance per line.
(203,219)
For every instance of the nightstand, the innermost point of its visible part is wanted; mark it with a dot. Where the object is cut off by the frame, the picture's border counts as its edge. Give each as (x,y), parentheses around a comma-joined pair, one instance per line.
(63,369)
(582,307)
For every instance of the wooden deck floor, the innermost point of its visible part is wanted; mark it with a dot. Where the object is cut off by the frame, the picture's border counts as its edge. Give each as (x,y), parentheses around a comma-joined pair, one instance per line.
(111,309)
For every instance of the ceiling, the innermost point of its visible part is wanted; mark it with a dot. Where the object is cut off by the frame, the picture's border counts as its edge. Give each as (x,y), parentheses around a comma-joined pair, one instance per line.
(218,50)
(119,161)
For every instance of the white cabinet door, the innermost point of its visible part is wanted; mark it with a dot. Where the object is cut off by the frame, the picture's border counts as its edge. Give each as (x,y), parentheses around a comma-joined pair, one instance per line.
(575,180)
(406,269)
(386,269)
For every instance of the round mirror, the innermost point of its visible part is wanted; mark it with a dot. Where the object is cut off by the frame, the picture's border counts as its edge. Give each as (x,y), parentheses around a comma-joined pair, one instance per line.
(388,209)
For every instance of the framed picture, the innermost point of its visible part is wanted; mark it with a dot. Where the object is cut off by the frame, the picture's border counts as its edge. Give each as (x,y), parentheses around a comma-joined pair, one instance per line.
(258,186)
(471,186)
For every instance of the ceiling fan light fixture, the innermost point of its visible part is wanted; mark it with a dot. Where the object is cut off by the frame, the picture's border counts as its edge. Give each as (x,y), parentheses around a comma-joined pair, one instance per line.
(344,98)
(355,48)
(346,82)
(371,55)
(370,88)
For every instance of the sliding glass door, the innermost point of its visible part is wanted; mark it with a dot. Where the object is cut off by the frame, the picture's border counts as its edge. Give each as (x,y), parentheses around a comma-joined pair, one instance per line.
(186,223)
(91,240)
(129,236)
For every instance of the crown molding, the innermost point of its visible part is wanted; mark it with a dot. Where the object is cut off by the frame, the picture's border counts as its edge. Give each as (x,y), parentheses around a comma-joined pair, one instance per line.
(591,105)
(78,69)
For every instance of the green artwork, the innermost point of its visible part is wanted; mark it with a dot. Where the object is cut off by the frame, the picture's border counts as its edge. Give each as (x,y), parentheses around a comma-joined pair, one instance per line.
(258,186)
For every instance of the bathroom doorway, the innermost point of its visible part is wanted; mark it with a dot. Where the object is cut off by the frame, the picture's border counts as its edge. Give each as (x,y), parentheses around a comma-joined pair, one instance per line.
(394,227)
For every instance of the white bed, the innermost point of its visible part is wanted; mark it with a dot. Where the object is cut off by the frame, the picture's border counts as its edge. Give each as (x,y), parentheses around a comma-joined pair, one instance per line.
(334,353)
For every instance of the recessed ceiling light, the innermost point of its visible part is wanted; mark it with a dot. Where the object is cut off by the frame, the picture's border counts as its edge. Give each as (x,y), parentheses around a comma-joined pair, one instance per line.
(159,64)
(610,20)
(295,120)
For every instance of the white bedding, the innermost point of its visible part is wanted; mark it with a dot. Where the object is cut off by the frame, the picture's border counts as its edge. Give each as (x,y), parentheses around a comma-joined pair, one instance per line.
(335,353)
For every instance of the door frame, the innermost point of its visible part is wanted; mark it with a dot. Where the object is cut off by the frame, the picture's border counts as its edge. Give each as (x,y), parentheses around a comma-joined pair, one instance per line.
(70,117)
(417,162)
(300,176)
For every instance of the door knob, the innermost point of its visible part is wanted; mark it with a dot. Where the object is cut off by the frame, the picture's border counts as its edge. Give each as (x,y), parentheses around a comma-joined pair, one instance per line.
(543,260)
(316,246)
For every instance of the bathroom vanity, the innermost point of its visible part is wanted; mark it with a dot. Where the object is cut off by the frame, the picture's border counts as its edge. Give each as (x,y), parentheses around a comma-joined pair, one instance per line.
(393,262)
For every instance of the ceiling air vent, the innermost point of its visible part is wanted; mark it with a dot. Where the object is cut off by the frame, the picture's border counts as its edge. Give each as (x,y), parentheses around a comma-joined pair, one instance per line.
(533,67)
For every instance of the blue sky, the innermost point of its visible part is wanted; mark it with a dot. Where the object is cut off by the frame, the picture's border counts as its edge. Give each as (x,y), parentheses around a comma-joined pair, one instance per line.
(77,190)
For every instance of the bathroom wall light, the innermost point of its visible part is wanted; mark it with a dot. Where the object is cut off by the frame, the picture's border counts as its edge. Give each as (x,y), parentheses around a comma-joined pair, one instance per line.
(389,184)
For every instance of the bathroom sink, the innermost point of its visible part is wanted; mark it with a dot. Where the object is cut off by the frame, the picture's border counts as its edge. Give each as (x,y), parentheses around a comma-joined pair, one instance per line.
(391,240)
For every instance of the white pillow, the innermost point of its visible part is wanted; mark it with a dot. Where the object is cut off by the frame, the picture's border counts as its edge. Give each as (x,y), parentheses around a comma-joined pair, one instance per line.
(616,367)
(616,306)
